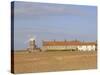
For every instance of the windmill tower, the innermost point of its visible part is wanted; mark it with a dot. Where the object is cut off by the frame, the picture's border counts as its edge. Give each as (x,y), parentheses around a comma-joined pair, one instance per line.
(32,45)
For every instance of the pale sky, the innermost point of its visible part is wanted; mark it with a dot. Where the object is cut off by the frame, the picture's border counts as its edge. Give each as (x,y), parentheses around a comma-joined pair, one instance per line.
(46,21)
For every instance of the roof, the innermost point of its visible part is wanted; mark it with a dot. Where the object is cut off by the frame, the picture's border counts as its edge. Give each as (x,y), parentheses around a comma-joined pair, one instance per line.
(65,43)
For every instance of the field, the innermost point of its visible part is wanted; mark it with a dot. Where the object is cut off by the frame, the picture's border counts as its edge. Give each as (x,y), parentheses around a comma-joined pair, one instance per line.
(25,62)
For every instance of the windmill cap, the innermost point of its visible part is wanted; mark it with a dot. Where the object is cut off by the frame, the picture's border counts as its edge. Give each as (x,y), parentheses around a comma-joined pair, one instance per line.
(32,39)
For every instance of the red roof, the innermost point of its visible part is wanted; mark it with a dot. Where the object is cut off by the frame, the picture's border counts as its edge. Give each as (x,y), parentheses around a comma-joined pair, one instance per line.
(65,43)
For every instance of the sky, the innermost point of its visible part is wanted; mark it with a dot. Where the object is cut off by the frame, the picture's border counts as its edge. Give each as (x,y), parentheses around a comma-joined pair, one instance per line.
(46,21)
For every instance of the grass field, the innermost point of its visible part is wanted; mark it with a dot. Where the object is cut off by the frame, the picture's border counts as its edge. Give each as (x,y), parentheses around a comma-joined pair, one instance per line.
(25,62)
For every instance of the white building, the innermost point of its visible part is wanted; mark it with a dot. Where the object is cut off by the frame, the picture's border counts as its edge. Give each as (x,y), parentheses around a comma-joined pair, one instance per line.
(69,45)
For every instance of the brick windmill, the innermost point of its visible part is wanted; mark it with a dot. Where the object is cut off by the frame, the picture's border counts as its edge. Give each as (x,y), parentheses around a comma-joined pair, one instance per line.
(32,45)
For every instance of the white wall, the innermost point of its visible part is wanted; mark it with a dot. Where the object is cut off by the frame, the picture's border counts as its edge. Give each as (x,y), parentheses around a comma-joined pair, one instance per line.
(87,48)
(80,48)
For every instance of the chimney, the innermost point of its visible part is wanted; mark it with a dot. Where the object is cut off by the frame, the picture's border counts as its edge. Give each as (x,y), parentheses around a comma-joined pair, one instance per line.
(54,40)
(65,40)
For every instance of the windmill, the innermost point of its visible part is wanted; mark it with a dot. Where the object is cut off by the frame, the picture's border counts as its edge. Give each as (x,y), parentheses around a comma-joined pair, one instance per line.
(31,43)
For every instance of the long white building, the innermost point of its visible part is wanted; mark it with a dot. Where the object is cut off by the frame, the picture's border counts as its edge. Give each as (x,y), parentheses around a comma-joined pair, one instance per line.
(69,45)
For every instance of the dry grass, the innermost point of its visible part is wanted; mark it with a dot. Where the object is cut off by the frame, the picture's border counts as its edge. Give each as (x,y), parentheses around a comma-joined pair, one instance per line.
(25,62)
